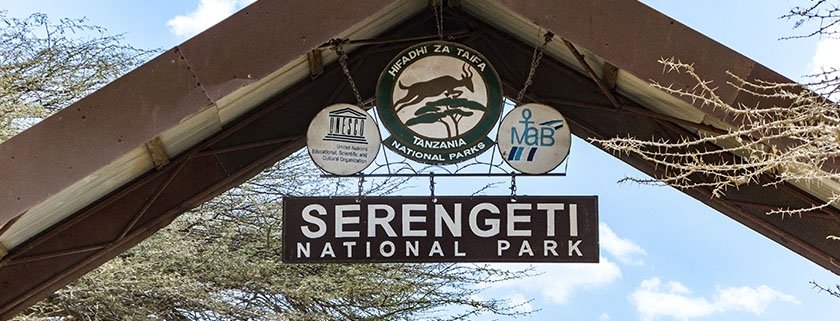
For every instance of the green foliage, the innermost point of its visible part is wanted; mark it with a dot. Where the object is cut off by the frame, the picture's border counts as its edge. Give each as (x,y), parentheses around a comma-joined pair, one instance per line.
(46,65)
(222,262)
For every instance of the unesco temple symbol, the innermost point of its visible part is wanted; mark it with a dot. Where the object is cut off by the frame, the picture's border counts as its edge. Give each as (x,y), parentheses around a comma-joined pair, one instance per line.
(342,139)
(347,125)
(439,100)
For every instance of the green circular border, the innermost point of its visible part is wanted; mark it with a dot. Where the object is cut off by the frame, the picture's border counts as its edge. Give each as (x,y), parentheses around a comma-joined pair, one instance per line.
(398,130)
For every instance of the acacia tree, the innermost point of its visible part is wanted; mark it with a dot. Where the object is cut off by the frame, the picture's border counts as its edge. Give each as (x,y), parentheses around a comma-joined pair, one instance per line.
(220,261)
(46,65)
(807,124)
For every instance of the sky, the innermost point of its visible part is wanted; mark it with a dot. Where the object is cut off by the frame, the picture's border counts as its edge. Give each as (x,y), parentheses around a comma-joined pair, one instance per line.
(664,255)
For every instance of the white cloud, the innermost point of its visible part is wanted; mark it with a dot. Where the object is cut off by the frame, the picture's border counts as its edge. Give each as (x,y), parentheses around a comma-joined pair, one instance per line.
(754,300)
(604,317)
(626,251)
(654,299)
(208,13)
(520,303)
(827,54)
(557,282)
(826,59)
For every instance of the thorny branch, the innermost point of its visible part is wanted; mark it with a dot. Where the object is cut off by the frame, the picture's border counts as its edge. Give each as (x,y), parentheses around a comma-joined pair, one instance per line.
(808,126)
(822,18)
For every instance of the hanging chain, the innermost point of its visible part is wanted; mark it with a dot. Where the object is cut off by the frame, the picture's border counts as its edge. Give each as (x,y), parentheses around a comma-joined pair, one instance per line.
(535,61)
(432,186)
(342,60)
(437,8)
(361,186)
(513,186)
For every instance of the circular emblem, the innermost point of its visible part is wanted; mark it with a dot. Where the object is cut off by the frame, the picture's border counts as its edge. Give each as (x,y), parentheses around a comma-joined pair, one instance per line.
(534,138)
(439,100)
(342,139)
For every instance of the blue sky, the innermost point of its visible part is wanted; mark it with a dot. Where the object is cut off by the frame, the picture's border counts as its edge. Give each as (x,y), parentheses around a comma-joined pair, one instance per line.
(665,256)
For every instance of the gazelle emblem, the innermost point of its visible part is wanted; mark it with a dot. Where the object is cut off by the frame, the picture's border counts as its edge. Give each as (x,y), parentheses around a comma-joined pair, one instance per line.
(435,87)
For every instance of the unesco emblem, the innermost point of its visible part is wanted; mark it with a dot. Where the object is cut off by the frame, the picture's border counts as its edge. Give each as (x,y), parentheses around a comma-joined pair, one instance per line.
(342,139)
(439,100)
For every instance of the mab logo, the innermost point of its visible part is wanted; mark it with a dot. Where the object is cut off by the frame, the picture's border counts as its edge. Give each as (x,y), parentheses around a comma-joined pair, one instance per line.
(531,136)
(534,138)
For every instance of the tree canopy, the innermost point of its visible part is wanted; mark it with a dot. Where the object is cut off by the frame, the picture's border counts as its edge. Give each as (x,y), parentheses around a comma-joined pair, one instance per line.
(790,136)
(220,261)
(47,65)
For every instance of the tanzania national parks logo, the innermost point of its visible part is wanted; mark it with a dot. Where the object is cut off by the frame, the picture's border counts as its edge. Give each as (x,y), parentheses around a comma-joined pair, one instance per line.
(439,100)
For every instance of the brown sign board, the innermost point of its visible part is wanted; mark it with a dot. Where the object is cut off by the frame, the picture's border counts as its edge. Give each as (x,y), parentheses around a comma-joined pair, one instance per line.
(446,229)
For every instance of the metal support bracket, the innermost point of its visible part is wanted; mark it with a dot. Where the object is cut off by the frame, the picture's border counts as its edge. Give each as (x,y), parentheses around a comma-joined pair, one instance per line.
(598,81)
(610,75)
(158,152)
(316,63)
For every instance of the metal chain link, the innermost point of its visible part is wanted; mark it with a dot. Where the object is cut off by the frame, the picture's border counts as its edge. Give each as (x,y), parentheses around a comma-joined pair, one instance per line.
(432,186)
(535,62)
(342,60)
(437,8)
(513,185)
(361,186)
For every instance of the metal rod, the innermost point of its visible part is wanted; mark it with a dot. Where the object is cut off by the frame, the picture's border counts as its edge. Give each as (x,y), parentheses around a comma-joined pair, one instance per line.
(773,232)
(47,256)
(591,73)
(8,225)
(236,148)
(766,207)
(151,201)
(629,109)
(611,97)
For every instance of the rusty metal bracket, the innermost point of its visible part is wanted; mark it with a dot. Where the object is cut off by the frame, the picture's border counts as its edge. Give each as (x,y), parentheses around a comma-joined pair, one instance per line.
(610,75)
(4,228)
(159,155)
(598,81)
(316,63)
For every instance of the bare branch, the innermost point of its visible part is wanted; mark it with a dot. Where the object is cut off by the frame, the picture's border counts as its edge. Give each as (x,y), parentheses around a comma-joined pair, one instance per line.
(768,144)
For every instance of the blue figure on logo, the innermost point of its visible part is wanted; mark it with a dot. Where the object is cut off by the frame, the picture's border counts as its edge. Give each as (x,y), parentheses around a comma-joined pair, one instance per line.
(532,136)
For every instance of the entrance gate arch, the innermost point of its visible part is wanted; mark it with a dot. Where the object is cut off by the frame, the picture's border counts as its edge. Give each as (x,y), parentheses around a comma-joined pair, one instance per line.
(214,111)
